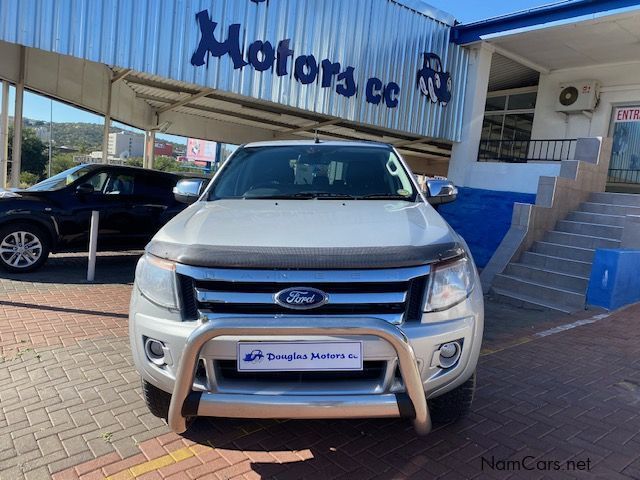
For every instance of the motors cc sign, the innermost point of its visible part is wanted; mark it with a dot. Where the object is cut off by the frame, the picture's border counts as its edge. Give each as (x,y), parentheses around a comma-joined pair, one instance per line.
(279,58)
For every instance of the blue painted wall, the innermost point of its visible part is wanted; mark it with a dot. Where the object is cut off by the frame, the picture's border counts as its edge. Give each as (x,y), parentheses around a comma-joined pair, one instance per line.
(615,278)
(482,217)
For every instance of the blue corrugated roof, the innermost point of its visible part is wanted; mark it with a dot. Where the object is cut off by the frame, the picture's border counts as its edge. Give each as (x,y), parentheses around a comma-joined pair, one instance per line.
(556,12)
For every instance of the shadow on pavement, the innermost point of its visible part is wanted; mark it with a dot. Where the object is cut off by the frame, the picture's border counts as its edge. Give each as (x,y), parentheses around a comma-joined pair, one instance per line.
(320,448)
(50,308)
(71,269)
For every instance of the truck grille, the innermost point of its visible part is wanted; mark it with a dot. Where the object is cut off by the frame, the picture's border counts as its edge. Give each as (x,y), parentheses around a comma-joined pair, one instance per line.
(395,295)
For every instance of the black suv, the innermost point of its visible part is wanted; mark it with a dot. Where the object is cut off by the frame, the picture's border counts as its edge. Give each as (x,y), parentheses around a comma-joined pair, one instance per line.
(55,214)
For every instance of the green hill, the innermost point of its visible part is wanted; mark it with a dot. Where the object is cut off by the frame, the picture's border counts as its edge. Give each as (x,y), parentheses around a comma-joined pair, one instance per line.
(86,137)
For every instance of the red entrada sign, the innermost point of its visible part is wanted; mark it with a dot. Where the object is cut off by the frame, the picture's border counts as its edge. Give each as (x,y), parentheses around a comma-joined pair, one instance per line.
(628,114)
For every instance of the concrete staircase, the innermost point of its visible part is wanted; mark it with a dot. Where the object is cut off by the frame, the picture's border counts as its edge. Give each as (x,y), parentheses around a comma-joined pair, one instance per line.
(554,274)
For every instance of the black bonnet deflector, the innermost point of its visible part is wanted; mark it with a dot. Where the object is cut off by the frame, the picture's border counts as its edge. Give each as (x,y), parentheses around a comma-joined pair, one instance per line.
(302,257)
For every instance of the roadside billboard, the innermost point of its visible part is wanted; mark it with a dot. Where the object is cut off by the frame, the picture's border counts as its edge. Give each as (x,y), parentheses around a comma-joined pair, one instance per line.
(201,152)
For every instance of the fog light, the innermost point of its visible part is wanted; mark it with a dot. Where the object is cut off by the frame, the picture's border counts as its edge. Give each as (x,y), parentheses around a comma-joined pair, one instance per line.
(449,354)
(155,351)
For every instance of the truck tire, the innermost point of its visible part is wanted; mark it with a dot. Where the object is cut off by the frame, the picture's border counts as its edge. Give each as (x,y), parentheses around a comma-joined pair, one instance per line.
(158,402)
(455,404)
(24,247)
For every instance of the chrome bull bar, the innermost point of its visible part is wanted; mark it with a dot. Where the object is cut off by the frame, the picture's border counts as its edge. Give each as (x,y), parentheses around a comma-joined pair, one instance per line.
(185,402)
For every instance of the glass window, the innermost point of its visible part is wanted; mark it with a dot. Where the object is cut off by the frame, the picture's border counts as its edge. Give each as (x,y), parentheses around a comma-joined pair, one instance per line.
(506,133)
(496,103)
(120,184)
(98,181)
(492,127)
(625,155)
(522,101)
(517,127)
(313,171)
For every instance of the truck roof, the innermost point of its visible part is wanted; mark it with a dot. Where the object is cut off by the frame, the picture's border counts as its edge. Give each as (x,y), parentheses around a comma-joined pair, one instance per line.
(286,143)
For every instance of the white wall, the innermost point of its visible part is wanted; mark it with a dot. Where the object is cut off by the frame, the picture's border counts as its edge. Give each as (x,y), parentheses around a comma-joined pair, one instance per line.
(465,153)
(509,177)
(620,85)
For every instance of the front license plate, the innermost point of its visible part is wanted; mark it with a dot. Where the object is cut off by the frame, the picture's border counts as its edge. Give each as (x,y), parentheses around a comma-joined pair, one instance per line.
(298,356)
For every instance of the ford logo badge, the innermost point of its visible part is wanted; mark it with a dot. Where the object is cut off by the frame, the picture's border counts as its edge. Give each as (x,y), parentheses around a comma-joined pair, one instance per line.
(301,298)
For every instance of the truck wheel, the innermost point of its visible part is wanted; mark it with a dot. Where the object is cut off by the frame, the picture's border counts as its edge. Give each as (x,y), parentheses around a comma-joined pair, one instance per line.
(454,404)
(23,247)
(158,401)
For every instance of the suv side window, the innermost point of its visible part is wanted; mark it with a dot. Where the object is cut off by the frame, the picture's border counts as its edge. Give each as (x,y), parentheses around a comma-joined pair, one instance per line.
(98,181)
(119,184)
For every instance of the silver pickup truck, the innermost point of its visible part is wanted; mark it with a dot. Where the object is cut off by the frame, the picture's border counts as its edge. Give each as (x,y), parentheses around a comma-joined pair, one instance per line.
(308,280)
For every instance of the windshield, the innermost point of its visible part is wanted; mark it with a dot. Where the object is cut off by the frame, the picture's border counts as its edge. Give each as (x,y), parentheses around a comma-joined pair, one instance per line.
(62,179)
(314,171)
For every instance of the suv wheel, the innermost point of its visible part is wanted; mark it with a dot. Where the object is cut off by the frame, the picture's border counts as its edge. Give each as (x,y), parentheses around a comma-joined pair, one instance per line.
(158,401)
(455,404)
(23,247)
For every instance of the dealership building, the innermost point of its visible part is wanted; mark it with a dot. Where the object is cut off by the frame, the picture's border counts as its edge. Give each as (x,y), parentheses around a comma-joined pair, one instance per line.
(533,115)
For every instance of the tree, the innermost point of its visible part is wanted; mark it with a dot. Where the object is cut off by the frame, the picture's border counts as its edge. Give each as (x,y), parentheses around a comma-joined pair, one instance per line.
(27,179)
(33,155)
(162,163)
(62,162)
(169,164)
(134,162)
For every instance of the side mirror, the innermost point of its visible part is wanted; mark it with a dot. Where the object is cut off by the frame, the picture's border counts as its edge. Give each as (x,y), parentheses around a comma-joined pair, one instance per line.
(85,189)
(188,190)
(441,191)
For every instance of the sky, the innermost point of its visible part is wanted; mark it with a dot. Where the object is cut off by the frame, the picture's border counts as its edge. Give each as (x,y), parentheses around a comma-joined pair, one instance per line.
(467,11)
(39,108)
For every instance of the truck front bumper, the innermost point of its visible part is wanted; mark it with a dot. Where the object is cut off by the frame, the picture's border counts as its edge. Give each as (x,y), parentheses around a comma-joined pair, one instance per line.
(185,402)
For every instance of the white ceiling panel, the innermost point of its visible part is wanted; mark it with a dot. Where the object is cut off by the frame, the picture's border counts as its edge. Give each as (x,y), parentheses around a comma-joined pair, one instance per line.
(606,40)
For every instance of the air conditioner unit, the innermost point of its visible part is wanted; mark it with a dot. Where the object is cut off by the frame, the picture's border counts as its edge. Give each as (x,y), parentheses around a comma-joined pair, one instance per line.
(580,96)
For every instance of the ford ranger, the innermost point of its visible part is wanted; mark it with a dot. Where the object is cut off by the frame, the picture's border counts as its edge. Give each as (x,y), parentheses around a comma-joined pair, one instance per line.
(308,280)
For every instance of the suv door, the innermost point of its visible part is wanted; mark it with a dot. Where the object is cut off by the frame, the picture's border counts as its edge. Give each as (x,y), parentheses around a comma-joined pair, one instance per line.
(120,220)
(111,197)
(153,203)
(74,217)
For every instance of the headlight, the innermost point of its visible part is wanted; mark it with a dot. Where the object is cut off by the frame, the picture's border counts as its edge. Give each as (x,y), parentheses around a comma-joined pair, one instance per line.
(449,284)
(156,280)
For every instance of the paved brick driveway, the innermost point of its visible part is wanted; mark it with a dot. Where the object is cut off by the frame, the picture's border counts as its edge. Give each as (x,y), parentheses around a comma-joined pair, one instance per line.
(70,405)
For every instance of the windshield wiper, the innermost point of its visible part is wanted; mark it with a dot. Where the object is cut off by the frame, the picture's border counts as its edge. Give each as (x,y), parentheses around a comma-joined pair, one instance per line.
(326,196)
(303,196)
(384,196)
(281,196)
(335,196)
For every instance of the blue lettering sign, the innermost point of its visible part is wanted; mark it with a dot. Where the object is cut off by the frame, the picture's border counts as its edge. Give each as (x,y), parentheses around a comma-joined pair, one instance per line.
(432,80)
(349,87)
(374,86)
(209,43)
(391,93)
(268,55)
(329,69)
(284,52)
(306,69)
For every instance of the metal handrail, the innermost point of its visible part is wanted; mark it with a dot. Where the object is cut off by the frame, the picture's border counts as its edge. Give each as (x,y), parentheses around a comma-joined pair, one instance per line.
(522,151)
(214,328)
(624,175)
